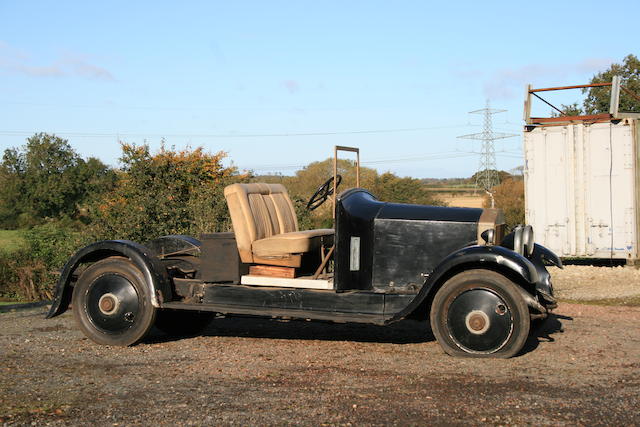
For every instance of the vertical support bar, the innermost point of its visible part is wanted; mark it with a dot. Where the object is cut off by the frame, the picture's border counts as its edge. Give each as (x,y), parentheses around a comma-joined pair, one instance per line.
(335,170)
(527,105)
(635,132)
(358,168)
(335,175)
(615,96)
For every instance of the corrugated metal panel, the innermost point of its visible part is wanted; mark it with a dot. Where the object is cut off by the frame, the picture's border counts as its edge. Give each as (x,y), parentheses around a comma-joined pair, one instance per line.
(580,186)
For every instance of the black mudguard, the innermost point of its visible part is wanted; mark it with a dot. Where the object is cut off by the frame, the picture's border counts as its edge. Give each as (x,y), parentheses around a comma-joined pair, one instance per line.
(145,259)
(489,257)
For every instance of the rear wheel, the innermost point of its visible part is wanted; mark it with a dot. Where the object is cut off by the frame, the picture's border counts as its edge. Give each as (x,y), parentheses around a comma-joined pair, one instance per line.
(480,313)
(111,303)
(183,322)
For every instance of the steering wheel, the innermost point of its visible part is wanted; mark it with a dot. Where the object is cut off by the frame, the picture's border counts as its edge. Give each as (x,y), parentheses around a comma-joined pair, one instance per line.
(322,193)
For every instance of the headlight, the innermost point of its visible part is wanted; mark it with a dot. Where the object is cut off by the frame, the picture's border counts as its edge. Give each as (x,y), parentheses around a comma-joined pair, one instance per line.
(528,240)
(523,240)
(518,243)
(489,236)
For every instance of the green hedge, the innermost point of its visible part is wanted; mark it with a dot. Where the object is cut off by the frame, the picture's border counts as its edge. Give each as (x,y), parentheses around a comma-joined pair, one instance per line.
(29,273)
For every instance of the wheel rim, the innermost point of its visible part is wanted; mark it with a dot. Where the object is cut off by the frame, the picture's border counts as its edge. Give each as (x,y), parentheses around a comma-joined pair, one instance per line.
(480,321)
(112,303)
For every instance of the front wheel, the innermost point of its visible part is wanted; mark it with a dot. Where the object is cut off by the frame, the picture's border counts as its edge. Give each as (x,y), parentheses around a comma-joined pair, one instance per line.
(480,313)
(112,304)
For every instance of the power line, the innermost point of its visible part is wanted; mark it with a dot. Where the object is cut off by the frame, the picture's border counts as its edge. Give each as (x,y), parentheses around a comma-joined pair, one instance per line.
(433,156)
(420,158)
(191,108)
(229,135)
(510,156)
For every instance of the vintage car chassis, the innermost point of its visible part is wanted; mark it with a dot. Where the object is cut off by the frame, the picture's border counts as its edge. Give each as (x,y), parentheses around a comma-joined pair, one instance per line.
(391,262)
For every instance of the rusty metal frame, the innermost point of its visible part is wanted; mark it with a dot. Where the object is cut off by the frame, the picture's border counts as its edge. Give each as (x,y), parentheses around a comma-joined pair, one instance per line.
(613,114)
(548,89)
(335,170)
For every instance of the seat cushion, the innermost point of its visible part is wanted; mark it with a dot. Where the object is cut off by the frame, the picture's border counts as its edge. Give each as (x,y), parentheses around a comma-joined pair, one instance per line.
(259,211)
(285,244)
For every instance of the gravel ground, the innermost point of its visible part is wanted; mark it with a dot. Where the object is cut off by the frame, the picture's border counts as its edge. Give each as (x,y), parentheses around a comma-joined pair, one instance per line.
(582,367)
(575,282)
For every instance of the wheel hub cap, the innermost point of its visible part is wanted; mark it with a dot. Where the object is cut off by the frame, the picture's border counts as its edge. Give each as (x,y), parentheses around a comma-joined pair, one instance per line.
(477,322)
(480,321)
(112,303)
(108,303)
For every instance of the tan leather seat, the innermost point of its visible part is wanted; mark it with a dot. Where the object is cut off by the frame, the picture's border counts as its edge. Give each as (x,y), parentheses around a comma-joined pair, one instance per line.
(266,227)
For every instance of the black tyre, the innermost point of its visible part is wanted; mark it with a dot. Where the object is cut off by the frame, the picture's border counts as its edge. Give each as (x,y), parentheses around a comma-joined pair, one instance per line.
(480,313)
(183,322)
(111,303)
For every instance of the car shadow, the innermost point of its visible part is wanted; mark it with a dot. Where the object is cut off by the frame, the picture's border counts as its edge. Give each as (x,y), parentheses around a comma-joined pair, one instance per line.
(544,332)
(403,332)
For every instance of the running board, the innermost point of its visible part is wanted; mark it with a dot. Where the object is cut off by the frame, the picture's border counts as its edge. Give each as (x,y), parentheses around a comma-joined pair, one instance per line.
(375,319)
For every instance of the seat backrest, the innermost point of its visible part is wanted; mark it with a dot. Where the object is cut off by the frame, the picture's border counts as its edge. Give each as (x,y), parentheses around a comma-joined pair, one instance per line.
(258,211)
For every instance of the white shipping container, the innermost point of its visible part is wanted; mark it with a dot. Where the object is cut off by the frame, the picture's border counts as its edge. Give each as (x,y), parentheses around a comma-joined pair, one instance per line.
(581,187)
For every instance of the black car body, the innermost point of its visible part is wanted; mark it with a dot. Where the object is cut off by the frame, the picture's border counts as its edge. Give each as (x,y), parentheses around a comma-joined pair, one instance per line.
(392,261)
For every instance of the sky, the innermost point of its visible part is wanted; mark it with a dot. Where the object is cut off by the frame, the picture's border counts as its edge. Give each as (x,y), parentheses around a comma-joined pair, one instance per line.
(277,84)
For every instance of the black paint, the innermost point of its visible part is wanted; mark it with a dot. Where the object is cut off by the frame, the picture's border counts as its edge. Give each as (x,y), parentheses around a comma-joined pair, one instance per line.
(220,259)
(398,242)
(404,250)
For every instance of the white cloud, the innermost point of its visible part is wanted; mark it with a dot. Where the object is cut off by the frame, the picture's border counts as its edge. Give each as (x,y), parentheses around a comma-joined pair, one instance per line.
(510,82)
(67,64)
(291,85)
(80,65)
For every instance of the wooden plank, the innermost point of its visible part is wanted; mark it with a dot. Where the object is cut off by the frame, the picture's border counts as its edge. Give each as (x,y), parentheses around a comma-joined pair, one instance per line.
(272,271)
(280,282)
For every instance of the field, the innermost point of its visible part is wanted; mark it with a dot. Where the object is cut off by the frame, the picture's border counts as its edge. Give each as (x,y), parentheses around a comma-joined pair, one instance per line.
(459,196)
(462,200)
(11,240)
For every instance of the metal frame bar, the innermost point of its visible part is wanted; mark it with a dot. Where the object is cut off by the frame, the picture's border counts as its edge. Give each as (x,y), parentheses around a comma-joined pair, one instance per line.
(614,113)
(547,89)
(325,260)
(636,150)
(335,170)
(614,103)
(631,94)
(548,103)
(591,117)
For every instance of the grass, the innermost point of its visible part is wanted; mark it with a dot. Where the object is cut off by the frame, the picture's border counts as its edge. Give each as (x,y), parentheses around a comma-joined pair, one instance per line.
(452,189)
(9,302)
(11,240)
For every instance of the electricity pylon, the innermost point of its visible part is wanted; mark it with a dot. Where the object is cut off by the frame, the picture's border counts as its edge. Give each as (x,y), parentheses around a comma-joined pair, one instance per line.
(487,176)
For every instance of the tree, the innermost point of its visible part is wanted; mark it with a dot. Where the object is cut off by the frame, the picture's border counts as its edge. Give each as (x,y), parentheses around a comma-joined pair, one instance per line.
(502,175)
(509,196)
(46,178)
(568,110)
(308,179)
(391,188)
(598,98)
(387,187)
(169,192)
